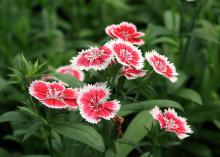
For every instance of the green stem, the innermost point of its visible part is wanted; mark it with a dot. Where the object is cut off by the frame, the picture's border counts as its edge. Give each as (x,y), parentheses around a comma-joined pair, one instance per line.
(185,49)
(49,135)
(49,139)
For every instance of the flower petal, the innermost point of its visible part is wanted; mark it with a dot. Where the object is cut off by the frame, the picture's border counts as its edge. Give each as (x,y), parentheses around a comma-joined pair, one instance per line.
(108,110)
(132,73)
(69,97)
(157,115)
(38,89)
(54,103)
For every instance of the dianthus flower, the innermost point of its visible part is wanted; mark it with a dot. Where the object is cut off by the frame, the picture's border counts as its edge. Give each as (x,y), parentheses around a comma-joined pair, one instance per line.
(170,121)
(161,65)
(125,31)
(53,95)
(126,53)
(93,104)
(93,58)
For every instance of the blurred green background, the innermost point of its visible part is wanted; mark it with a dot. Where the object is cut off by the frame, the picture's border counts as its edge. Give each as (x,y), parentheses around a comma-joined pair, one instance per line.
(188,32)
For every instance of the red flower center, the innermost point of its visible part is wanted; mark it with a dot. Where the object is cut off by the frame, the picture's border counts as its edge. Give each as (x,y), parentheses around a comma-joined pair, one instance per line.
(94,54)
(126,54)
(171,124)
(160,66)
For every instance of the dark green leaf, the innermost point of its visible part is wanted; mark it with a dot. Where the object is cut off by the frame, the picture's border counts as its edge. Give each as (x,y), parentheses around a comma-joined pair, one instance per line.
(71,81)
(146,105)
(12,116)
(190,95)
(136,131)
(33,128)
(4,153)
(83,133)
(203,113)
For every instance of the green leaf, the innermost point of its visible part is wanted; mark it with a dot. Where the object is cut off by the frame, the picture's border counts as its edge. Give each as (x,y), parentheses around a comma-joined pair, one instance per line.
(111,153)
(71,81)
(135,132)
(189,94)
(83,133)
(146,154)
(32,114)
(203,113)
(12,116)
(163,40)
(4,153)
(146,105)
(33,128)
(198,149)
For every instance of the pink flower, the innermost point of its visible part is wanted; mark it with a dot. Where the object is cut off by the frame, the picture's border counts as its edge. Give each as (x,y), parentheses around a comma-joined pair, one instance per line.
(93,104)
(72,71)
(132,73)
(161,65)
(127,54)
(53,95)
(93,58)
(170,121)
(125,31)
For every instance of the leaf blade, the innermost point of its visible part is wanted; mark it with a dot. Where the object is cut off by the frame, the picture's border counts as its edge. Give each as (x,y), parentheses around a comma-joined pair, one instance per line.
(146,105)
(83,133)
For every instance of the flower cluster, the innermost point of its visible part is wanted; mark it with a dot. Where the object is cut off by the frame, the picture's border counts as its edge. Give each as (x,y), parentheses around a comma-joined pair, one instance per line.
(121,50)
(170,121)
(90,99)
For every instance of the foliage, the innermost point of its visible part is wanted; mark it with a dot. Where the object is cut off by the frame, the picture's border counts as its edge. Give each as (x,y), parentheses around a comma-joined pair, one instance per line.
(36,37)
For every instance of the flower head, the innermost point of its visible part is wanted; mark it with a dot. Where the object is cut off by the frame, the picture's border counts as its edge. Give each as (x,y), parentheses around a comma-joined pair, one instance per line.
(93,104)
(72,71)
(53,95)
(125,31)
(170,121)
(132,73)
(127,54)
(161,65)
(93,58)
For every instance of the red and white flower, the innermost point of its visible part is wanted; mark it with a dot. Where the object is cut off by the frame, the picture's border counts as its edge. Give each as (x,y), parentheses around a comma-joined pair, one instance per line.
(53,95)
(93,58)
(126,53)
(161,65)
(125,31)
(170,121)
(93,104)
(132,73)
(72,71)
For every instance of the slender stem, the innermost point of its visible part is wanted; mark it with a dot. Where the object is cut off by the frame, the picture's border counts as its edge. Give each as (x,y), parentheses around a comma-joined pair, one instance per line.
(185,49)
(49,136)
(49,139)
